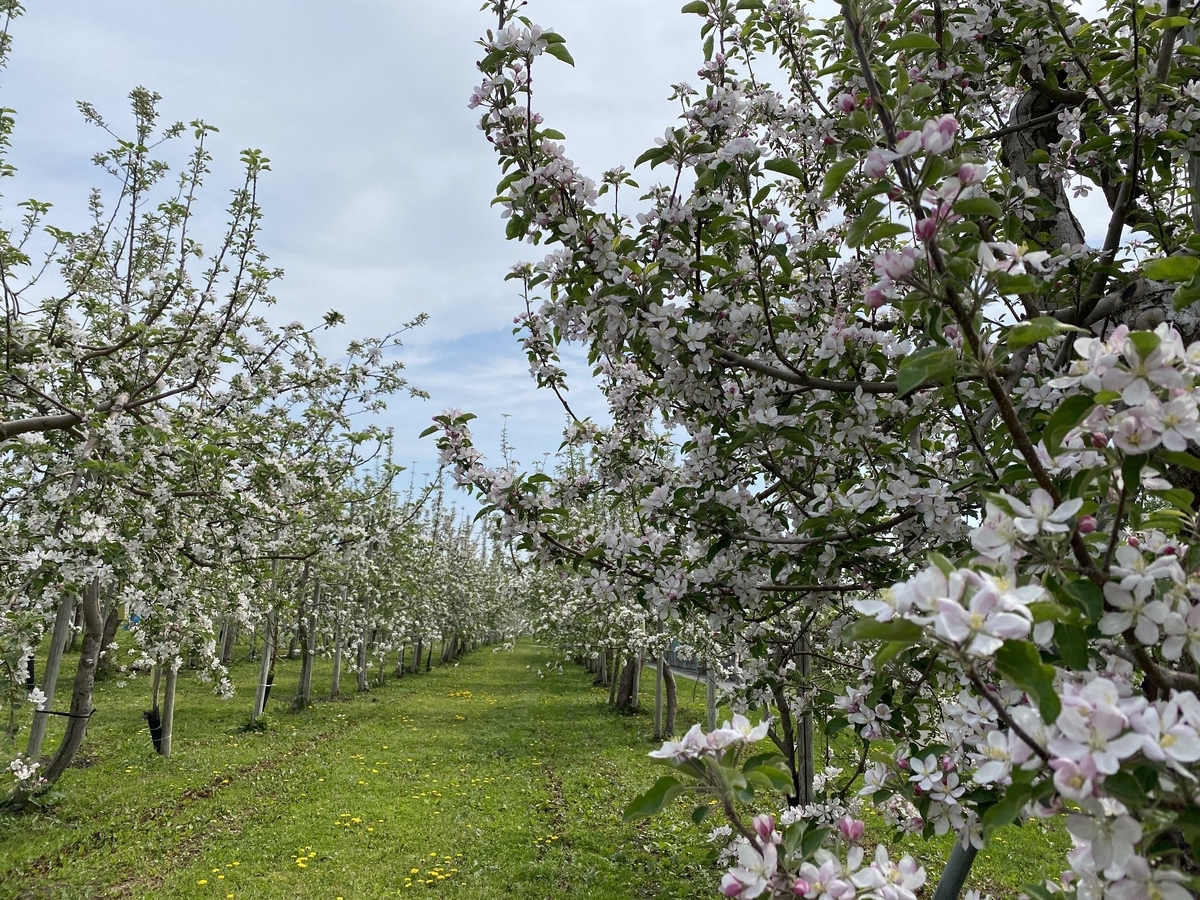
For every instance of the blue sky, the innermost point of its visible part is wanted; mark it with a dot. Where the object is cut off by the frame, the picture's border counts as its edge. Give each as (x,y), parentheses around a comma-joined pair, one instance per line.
(378,202)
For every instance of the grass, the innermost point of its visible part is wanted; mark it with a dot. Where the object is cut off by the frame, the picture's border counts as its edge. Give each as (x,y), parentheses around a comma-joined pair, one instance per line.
(486,778)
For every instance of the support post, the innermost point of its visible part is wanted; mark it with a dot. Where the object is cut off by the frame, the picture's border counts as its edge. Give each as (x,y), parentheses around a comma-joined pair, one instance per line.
(951,883)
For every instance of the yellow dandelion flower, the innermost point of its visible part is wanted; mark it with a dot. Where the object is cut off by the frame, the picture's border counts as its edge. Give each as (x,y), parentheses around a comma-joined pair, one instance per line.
(202,881)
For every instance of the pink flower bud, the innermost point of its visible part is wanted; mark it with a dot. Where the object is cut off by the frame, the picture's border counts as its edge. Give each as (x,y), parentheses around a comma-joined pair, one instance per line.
(947,764)
(846,103)
(800,887)
(1133,542)
(1099,441)
(764,827)
(1086,525)
(903,764)
(876,165)
(895,265)
(970,173)
(851,828)
(937,136)
(875,298)
(926,229)
(1169,550)
(732,888)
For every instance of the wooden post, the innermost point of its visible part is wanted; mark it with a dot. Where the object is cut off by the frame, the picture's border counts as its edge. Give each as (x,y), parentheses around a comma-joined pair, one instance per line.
(168,708)
(712,699)
(950,885)
(59,638)
(264,670)
(658,698)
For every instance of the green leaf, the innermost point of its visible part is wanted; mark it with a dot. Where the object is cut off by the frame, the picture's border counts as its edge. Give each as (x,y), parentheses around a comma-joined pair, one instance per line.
(812,841)
(915,41)
(886,230)
(978,206)
(1171,268)
(1025,333)
(858,231)
(1146,342)
(699,7)
(925,365)
(1125,788)
(873,630)
(1180,498)
(1047,611)
(1005,811)
(1178,458)
(770,758)
(773,778)
(1023,283)
(700,813)
(1171,22)
(654,156)
(432,429)
(1071,641)
(1037,157)
(890,651)
(1087,597)
(553,135)
(664,791)
(784,166)
(1021,664)
(559,51)
(1069,414)
(750,4)
(835,176)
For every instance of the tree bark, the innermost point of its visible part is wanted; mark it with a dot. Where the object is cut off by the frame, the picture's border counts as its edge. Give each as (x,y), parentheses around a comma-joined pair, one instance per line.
(626,700)
(306,623)
(59,637)
(112,621)
(363,684)
(227,644)
(337,662)
(85,680)
(672,702)
(807,767)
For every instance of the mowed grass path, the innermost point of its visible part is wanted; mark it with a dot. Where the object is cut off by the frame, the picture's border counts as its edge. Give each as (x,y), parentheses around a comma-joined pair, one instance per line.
(479,780)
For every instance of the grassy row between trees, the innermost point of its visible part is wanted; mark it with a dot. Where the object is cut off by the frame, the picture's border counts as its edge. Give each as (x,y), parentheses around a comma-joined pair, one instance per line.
(497,777)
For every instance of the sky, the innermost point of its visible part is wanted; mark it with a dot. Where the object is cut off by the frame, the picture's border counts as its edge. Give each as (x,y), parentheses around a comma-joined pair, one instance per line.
(378,199)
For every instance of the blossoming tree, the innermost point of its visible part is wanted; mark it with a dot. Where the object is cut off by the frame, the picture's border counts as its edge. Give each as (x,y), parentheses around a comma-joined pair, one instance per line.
(893,427)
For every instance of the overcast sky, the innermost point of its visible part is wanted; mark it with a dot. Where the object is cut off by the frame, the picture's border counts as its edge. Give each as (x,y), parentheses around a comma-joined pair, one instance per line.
(378,202)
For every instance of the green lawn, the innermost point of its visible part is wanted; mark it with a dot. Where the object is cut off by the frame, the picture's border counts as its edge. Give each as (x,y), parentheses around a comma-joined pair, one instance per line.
(473,781)
(477,780)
